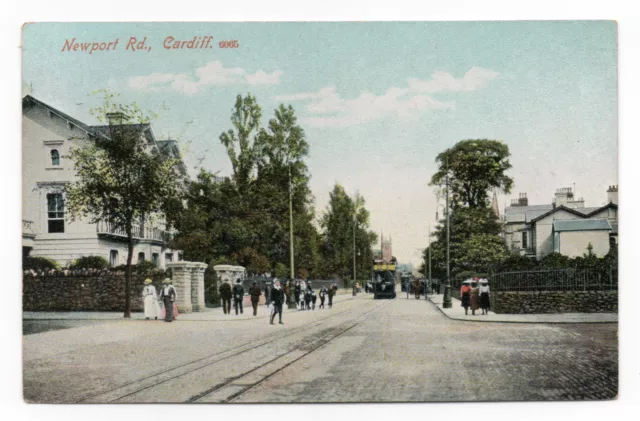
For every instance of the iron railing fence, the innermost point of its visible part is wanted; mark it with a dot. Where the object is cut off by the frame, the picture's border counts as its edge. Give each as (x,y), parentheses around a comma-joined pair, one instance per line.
(587,279)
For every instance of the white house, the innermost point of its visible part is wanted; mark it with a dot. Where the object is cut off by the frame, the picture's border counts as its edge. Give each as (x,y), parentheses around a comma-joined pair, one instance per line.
(538,230)
(47,136)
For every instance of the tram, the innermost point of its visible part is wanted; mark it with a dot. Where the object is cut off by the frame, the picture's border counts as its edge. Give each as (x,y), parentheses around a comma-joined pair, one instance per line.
(383,278)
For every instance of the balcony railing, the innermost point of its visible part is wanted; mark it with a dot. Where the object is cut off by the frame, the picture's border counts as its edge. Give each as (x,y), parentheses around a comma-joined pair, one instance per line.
(139,233)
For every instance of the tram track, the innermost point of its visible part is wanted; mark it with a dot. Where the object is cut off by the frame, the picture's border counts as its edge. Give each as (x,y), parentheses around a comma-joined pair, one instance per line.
(128,391)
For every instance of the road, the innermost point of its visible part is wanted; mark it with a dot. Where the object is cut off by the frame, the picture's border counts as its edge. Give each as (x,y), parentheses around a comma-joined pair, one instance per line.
(362,350)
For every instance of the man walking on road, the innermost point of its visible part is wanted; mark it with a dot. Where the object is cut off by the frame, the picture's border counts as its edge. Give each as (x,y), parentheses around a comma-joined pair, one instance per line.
(225,294)
(332,292)
(267,293)
(277,299)
(416,288)
(238,296)
(255,294)
(323,293)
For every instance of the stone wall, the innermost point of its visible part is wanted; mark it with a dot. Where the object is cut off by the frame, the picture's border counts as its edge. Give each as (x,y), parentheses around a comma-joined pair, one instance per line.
(82,290)
(555,302)
(103,290)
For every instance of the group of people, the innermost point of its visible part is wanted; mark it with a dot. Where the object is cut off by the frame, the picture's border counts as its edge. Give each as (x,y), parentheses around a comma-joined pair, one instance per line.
(275,296)
(152,300)
(474,294)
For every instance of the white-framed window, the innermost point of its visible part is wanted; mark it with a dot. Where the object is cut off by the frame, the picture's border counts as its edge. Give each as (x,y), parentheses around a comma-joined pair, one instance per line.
(524,240)
(53,154)
(168,257)
(55,212)
(55,157)
(141,257)
(113,258)
(155,258)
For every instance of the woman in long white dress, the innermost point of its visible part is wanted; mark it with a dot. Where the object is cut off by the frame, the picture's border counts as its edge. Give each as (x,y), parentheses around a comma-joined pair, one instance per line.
(150,299)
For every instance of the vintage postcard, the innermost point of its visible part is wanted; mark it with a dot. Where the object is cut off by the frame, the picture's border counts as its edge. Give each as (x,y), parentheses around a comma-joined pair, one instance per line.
(319,212)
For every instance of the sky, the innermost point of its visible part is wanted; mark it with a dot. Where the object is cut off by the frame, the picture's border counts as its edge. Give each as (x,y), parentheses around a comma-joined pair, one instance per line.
(377,101)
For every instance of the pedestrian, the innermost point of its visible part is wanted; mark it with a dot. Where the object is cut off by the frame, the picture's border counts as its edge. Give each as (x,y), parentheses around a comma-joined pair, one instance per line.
(297,292)
(474,300)
(287,289)
(168,296)
(465,295)
(255,294)
(416,288)
(150,300)
(323,293)
(267,293)
(238,296)
(225,294)
(308,297)
(332,291)
(484,296)
(313,297)
(277,299)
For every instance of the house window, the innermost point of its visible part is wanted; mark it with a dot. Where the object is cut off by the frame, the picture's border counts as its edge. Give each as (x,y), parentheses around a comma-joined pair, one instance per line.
(556,242)
(55,157)
(155,258)
(55,212)
(140,257)
(168,257)
(113,258)
(524,239)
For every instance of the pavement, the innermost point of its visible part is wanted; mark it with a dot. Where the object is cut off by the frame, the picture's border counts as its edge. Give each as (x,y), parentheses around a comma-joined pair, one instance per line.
(456,312)
(209,314)
(361,350)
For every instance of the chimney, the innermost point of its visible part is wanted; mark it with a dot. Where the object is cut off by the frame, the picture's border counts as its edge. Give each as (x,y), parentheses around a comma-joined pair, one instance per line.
(117,118)
(523,200)
(563,195)
(612,194)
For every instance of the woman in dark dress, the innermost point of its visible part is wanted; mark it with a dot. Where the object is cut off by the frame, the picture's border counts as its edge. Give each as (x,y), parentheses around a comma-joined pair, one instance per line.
(465,295)
(484,296)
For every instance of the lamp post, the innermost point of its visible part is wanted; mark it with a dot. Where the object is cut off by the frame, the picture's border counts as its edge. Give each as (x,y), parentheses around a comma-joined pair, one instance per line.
(292,300)
(446,301)
(356,206)
(426,287)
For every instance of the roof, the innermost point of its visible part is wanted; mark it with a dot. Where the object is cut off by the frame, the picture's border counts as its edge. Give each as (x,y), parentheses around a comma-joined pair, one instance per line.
(106,131)
(582,225)
(29,100)
(525,213)
(575,211)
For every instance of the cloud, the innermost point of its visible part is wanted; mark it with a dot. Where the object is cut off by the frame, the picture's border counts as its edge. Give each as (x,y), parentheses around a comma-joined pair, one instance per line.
(328,109)
(474,79)
(325,108)
(212,73)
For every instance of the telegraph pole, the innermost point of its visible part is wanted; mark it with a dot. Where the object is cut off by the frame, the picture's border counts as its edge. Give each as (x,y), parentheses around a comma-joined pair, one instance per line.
(446,301)
(292,303)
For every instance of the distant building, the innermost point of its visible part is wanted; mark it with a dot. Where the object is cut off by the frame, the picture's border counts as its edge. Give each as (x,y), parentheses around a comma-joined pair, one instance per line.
(47,136)
(387,252)
(565,225)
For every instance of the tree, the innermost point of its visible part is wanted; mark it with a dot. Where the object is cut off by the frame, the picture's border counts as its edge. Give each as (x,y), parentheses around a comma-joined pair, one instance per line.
(241,149)
(120,178)
(481,252)
(282,148)
(475,167)
(338,226)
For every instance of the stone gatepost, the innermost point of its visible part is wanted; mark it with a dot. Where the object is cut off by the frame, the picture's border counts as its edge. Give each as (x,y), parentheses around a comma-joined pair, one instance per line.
(197,286)
(182,282)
